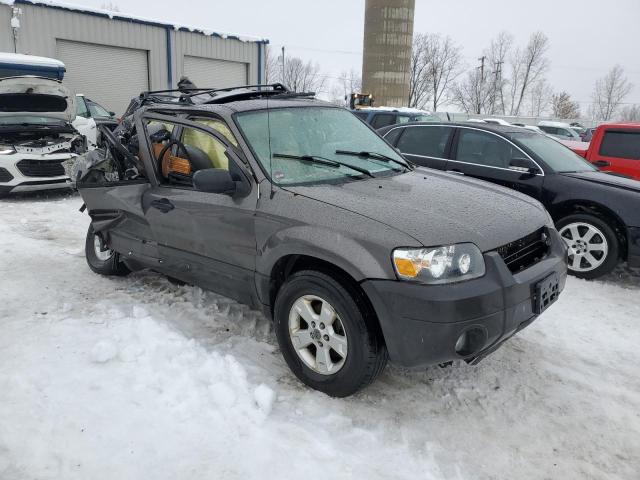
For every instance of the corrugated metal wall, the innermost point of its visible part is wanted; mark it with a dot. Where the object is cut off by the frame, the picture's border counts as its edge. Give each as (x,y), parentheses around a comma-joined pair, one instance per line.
(41,26)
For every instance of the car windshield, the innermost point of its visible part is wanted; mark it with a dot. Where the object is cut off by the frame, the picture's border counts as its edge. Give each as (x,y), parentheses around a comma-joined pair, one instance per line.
(426,118)
(30,120)
(560,158)
(332,135)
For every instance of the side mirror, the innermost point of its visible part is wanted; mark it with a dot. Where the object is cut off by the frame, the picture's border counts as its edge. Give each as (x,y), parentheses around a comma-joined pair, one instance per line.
(113,114)
(524,165)
(214,180)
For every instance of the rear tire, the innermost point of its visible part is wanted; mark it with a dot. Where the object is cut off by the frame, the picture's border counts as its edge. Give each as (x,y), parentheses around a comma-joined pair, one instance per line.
(594,248)
(100,259)
(341,352)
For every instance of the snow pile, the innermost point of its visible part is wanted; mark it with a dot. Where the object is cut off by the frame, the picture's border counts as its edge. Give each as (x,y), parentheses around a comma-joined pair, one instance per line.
(109,378)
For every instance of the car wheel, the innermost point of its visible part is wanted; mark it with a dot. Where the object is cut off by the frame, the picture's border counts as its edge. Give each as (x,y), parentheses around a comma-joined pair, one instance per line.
(594,248)
(328,341)
(100,258)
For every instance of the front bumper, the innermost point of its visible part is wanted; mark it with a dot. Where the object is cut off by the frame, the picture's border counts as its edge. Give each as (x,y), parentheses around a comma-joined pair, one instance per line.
(14,179)
(633,258)
(421,323)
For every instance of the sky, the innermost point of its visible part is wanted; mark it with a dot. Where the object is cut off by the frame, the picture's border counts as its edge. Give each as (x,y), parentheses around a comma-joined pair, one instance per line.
(587,37)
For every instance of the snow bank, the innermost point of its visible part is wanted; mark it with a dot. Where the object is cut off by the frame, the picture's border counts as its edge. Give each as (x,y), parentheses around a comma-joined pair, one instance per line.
(109,378)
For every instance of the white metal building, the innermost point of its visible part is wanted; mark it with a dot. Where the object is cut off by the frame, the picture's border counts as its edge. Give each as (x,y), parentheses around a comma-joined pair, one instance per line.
(111,57)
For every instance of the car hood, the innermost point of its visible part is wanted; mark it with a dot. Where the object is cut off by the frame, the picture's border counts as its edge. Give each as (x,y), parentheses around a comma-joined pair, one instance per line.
(603,178)
(36,96)
(437,208)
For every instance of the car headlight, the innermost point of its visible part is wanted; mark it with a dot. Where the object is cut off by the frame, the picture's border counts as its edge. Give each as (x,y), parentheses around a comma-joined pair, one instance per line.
(447,264)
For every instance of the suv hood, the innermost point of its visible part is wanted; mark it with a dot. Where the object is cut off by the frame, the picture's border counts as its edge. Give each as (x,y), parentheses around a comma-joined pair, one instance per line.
(606,179)
(436,208)
(37,96)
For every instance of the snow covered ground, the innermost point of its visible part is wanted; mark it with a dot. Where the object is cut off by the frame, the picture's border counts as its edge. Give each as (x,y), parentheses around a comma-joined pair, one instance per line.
(137,378)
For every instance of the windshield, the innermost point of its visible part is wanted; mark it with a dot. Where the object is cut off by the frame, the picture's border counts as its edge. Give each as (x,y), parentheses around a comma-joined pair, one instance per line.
(560,158)
(320,132)
(30,120)
(426,118)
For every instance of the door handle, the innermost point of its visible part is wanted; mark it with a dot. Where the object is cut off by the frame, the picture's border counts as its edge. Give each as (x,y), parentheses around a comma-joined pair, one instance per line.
(164,205)
(457,172)
(602,163)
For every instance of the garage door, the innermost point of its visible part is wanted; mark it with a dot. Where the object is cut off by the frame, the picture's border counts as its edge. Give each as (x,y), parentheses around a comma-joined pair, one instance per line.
(111,76)
(207,72)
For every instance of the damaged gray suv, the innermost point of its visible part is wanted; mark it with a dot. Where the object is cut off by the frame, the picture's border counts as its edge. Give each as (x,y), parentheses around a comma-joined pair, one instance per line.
(297,208)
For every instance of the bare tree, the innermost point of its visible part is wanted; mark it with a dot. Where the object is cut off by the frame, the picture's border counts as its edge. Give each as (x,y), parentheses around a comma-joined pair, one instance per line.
(436,62)
(110,6)
(563,107)
(444,65)
(419,80)
(630,113)
(528,65)
(540,98)
(497,56)
(346,84)
(272,66)
(302,77)
(472,94)
(609,92)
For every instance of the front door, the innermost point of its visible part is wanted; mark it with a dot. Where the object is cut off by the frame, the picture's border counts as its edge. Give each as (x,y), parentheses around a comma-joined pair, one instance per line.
(487,156)
(204,238)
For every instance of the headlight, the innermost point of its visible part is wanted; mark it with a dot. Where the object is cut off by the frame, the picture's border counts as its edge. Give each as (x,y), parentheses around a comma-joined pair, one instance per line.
(451,263)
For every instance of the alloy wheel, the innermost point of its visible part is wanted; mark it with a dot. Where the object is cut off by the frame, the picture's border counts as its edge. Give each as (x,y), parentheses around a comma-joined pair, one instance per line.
(318,335)
(103,253)
(588,247)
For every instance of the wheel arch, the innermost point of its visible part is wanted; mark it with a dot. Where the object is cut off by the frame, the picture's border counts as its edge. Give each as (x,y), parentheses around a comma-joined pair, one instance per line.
(287,265)
(571,207)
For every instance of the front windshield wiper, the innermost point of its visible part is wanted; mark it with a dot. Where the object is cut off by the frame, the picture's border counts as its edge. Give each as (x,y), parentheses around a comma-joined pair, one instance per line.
(376,155)
(324,161)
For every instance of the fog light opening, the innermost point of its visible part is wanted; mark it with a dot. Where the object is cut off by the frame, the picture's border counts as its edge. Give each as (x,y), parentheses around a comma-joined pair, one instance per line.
(471,341)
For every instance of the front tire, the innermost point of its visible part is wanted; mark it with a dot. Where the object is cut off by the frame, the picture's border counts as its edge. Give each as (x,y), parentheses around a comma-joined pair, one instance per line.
(594,248)
(100,258)
(329,342)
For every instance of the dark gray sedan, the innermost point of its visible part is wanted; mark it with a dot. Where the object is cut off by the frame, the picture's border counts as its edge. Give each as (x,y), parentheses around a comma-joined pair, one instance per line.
(297,208)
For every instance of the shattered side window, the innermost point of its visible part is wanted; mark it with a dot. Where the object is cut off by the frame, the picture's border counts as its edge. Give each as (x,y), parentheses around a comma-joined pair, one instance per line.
(116,161)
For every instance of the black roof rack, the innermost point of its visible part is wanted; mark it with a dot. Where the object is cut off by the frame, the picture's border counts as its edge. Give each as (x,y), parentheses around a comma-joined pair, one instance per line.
(200,96)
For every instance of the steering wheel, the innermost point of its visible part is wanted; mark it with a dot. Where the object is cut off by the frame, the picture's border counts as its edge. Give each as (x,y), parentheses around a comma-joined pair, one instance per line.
(179,145)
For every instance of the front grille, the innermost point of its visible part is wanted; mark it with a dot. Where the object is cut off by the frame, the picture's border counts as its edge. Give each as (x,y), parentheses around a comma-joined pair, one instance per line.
(5,176)
(41,168)
(525,252)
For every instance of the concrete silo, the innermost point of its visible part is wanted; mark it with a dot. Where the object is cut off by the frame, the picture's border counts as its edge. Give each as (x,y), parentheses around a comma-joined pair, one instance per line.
(388,34)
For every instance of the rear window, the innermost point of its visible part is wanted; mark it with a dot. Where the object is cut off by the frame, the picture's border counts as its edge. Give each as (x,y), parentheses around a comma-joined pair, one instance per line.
(621,145)
(383,119)
(426,141)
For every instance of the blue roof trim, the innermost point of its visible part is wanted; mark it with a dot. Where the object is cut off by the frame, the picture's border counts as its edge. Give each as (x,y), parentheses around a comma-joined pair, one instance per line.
(115,16)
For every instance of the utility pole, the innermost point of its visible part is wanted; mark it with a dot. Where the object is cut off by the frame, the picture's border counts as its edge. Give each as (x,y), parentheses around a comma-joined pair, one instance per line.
(481,67)
(497,81)
(283,79)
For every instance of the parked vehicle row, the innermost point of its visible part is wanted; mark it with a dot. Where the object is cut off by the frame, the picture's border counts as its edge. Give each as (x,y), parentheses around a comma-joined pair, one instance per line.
(597,214)
(297,208)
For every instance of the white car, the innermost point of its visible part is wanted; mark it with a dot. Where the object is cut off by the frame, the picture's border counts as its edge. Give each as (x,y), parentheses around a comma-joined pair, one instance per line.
(560,130)
(37,137)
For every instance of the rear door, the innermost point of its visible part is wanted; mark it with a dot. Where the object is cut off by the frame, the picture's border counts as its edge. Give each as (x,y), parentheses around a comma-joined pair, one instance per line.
(204,238)
(618,151)
(485,155)
(424,145)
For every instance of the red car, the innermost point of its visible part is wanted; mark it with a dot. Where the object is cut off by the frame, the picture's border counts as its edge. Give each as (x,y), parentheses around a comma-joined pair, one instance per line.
(615,147)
